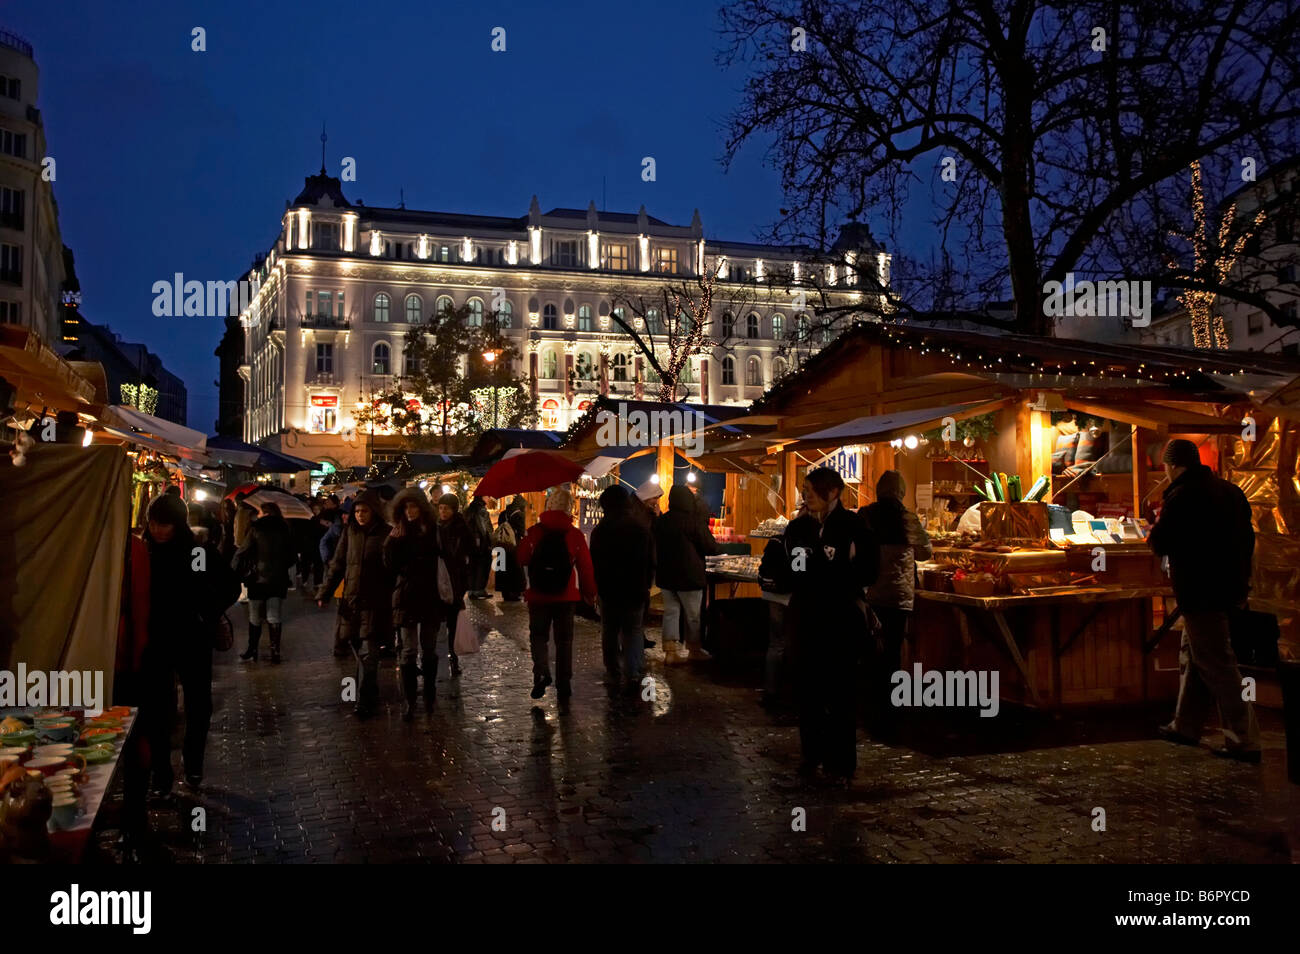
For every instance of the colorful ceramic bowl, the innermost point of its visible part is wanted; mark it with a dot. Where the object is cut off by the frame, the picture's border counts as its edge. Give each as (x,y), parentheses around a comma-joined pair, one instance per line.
(22,738)
(96,754)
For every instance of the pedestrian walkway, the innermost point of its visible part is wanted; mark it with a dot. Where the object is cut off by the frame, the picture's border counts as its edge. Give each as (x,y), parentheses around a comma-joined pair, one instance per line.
(702,773)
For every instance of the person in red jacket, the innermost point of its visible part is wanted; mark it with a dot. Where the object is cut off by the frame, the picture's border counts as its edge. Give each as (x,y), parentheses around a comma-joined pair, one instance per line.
(554,550)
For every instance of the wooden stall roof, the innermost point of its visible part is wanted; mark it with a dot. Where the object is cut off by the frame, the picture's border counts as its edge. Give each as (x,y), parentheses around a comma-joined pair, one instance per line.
(580,443)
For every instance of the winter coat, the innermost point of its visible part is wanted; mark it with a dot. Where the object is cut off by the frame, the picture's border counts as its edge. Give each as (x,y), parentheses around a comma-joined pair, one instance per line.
(184,599)
(412,559)
(1205,531)
(623,554)
(359,563)
(510,581)
(584,588)
(329,541)
(480,526)
(456,544)
(133,621)
(839,559)
(902,541)
(682,541)
(266,558)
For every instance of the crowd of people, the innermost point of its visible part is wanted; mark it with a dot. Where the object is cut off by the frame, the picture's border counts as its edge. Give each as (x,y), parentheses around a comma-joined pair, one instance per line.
(401,570)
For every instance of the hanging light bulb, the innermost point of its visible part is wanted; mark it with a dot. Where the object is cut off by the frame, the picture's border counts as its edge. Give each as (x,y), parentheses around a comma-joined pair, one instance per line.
(690,477)
(968,441)
(910,442)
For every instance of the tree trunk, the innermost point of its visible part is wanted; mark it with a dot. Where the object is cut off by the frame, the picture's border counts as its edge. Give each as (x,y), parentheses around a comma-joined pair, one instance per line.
(1015,190)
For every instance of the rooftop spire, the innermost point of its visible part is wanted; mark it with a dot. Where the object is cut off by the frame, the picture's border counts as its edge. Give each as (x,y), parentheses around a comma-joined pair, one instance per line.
(323,137)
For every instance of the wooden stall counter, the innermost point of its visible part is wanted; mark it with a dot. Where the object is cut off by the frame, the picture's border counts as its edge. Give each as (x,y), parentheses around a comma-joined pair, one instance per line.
(1070,645)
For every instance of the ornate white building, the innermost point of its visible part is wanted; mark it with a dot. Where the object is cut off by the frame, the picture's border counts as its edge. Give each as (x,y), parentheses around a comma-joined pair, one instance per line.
(344,281)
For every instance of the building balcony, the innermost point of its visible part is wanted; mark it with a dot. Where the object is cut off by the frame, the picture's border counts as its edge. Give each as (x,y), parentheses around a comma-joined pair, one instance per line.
(331,322)
(322,378)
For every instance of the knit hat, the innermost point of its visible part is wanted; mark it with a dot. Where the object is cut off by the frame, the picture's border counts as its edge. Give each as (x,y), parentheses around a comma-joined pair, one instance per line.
(891,484)
(169,509)
(451,500)
(1181,453)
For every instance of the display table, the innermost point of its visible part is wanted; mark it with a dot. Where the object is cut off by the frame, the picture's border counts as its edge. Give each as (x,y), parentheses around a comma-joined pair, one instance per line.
(1080,645)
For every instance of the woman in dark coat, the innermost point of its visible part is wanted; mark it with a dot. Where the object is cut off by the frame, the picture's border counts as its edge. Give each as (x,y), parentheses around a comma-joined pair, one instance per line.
(411,555)
(265,561)
(682,541)
(455,548)
(510,530)
(189,588)
(367,592)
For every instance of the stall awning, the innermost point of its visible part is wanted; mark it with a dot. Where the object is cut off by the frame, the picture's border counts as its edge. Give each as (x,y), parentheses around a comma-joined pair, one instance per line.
(231,450)
(1162,418)
(132,419)
(609,458)
(41,378)
(888,426)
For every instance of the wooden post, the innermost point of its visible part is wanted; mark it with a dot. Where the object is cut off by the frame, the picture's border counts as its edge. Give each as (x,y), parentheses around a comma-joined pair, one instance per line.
(789,474)
(1031,457)
(1139,468)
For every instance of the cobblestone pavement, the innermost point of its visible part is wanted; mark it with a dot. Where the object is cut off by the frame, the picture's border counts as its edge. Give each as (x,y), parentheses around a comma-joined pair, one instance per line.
(702,774)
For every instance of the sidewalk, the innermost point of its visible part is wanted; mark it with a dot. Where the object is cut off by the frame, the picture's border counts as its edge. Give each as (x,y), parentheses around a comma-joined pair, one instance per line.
(701,774)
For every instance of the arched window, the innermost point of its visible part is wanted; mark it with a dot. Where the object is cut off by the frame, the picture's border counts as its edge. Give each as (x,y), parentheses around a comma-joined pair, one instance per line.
(442,305)
(752,325)
(550,414)
(410,361)
(381,359)
(753,372)
(653,323)
(584,318)
(550,364)
(728,325)
(620,367)
(728,370)
(475,312)
(506,316)
(585,366)
(802,326)
(414,309)
(778,326)
(381,307)
(827,334)
(550,318)
(778,368)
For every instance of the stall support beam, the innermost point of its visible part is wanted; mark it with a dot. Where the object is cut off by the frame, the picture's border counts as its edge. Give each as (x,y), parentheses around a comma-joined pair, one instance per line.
(789,476)
(665,470)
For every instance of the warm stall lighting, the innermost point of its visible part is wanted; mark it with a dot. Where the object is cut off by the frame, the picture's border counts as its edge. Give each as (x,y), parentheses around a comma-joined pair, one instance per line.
(910,442)
(200,495)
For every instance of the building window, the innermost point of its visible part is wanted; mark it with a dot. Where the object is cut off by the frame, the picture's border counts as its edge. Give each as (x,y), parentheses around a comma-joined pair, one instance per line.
(585,368)
(565,254)
(778,326)
(506,316)
(550,365)
(443,305)
(728,370)
(616,257)
(381,307)
(620,367)
(550,318)
(324,358)
(476,313)
(1254,323)
(801,324)
(11,87)
(11,208)
(728,325)
(381,359)
(752,326)
(827,334)
(410,362)
(753,373)
(666,260)
(584,318)
(687,375)
(10,313)
(414,309)
(13,144)
(11,264)
(325,235)
(653,322)
(778,368)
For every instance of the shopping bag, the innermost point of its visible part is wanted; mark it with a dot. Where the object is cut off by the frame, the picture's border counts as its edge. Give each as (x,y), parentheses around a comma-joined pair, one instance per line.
(466,641)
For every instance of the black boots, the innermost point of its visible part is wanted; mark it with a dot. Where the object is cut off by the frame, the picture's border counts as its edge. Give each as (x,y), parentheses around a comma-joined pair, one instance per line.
(410,686)
(254,637)
(455,665)
(276,630)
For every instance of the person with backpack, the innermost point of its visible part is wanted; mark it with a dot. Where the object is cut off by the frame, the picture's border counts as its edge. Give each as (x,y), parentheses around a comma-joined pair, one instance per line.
(682,541)
(622,551)
(553,549)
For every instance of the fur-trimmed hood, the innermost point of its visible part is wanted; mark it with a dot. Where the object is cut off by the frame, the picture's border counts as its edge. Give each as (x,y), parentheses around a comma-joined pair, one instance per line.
(399,504)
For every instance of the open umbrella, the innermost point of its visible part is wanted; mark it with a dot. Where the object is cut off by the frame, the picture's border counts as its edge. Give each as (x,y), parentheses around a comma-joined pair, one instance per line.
(243,489)
(522,473)
(290,506)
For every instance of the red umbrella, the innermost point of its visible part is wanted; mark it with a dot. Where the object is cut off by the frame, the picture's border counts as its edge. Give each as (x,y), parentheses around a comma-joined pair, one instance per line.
(245,489)
(524,472)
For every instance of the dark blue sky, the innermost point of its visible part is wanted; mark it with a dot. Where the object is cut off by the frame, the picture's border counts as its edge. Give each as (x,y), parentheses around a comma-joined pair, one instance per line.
(171,160)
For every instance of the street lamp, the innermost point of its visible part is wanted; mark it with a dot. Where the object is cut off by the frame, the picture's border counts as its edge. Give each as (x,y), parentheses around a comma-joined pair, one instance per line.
(490,355)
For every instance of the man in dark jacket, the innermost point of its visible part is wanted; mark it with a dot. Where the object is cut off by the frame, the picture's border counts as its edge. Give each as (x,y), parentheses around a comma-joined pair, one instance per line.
(367,592)
(411,555)
(265,561)
(622,552)
(1205,532)
(902,541)
(682,541)
(833,560)
(455,547)
(480,529)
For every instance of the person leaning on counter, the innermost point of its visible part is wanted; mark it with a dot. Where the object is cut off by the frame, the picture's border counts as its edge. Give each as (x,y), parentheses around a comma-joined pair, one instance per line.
(1205,531)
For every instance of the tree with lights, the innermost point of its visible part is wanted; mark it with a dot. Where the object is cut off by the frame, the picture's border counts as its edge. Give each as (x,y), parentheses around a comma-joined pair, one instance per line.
(1051,136)
(1213,260)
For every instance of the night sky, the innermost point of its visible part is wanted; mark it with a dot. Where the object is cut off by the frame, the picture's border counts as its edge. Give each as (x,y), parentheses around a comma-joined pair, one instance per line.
(176,161)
